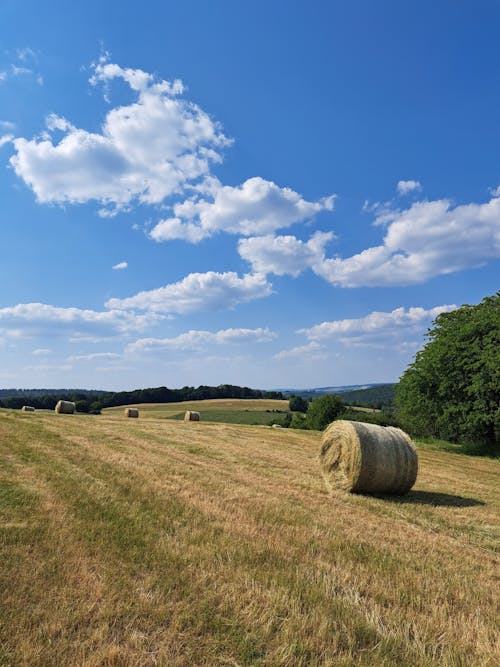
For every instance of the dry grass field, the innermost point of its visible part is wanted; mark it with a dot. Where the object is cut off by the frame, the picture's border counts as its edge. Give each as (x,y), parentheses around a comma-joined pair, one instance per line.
(153,542)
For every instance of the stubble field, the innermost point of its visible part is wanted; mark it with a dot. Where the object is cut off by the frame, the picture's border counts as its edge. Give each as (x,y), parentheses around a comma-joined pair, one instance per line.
(156,542)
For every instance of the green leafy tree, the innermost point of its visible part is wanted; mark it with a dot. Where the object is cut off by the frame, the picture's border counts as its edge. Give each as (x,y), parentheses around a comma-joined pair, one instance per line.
(323,410)
(297,404)
(452,389)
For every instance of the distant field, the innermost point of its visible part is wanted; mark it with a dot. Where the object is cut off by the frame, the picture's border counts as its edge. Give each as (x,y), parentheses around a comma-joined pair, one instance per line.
(136,543)
(227,411)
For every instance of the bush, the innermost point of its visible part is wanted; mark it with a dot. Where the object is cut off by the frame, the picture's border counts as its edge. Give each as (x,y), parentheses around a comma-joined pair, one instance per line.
(299,421)
(323,410)
(297,404)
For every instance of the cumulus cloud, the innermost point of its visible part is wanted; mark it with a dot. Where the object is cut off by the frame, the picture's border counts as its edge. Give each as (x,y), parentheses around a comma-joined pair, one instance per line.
(145,151)
(405,187)
(284,254)
(255,207)
(196,339)
(120,266)
(36,318)
(378,329)
(198,292)
(428,239)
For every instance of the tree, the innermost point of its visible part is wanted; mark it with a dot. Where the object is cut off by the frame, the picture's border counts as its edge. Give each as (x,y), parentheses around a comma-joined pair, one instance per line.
(297,404)
(452,389)
(323,410)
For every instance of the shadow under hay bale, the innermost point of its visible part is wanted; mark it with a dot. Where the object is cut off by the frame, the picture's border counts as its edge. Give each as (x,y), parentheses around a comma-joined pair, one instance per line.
(65,407)
(190,416)
(367,458)
(132,412)
(431,498)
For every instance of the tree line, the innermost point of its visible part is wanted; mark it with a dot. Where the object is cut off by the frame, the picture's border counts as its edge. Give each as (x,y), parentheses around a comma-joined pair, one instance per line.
(94,401)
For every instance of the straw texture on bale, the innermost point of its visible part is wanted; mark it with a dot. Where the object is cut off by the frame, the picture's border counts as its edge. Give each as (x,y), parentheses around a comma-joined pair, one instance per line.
(367,458)
(131,412)
(65,407)
(28,408)
(191,416)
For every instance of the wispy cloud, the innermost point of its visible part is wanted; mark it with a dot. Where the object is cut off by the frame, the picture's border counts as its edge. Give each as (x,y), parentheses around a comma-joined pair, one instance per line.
(32,319)
(192,340)
(309,351)
(120,266)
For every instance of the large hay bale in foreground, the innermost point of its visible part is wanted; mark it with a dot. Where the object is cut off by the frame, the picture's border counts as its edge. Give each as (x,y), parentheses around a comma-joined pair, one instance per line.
(190,416)
(367,458)
(131,412)
(28,408)
(65,407)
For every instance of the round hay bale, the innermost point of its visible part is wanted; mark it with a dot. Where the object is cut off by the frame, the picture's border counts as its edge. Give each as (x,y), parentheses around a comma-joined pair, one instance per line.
(366,458)
(132,412)
(277,426)
(190,416)
(65,407)
(28,408)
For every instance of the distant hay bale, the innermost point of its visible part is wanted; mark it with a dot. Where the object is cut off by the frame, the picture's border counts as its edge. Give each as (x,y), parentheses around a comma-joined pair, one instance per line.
(277,426)
(65,407)
(28,408)
(190,416)
(367,458)
(131,412)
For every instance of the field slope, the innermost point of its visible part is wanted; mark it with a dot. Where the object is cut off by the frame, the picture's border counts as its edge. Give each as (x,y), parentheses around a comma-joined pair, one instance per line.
(155,542)
(223,410)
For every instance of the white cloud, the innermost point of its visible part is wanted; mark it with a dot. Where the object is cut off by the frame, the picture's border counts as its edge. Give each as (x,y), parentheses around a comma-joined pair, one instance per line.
(198,292)
(197,339)
(311,350)
(94,355)
(17,71)
(284,254)
(5,139)
(27,54)
(36,318)
(405,187)
(120,266)
(146,151)
(255,207)
(41,351)
(428,239)
(7,124)
(378,329)
(495,191)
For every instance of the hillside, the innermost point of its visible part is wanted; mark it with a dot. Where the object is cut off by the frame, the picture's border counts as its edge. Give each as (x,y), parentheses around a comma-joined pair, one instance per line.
(227,411)
(372,397)
(155,542)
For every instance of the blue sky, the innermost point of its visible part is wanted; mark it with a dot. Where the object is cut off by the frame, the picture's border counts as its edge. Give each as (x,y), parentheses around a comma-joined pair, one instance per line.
(268,194)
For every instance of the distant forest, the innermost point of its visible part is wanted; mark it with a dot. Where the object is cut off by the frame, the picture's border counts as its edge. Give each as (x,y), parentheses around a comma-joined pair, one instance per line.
(380,397)
(94,401)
